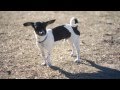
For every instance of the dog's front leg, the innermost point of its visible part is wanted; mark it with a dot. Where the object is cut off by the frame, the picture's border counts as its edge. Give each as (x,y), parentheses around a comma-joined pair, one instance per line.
(43,56)
(48,61)
(46,58)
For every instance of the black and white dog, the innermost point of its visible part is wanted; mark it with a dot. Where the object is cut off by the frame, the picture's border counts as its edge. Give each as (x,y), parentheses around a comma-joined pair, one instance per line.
(46,37)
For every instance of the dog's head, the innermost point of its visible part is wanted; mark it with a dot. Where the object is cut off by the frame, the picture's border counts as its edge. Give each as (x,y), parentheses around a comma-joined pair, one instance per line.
(39,27)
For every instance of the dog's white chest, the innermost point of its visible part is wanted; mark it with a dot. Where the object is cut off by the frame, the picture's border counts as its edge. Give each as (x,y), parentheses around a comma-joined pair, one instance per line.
(48,42)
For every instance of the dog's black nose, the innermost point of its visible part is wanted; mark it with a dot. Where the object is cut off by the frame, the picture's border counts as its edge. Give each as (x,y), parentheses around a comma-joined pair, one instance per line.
(42,33)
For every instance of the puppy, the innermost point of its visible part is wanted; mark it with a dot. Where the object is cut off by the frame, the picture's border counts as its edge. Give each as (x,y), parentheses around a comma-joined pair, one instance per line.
(45,38)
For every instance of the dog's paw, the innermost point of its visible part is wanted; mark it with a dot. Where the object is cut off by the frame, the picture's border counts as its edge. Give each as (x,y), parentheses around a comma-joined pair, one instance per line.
(72,55)
(43,64)
(49,65)
(77,60)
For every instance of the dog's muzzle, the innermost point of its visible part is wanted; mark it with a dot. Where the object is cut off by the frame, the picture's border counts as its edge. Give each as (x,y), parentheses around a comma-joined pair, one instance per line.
(42,33)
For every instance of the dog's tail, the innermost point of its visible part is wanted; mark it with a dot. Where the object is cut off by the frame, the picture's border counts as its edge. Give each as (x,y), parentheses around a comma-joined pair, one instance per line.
(74,22)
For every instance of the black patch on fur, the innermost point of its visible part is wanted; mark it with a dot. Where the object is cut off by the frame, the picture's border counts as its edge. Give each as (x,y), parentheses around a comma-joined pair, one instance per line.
(60,32)
(76,21)
(40,28)
(76,31)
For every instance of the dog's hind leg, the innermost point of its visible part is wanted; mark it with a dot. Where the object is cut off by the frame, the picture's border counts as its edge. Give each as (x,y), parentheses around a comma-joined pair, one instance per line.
(73,48)
(77,46)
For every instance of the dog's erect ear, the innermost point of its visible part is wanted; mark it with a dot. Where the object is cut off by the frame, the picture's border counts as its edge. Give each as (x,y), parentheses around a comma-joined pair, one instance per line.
(50,22)
(28,24)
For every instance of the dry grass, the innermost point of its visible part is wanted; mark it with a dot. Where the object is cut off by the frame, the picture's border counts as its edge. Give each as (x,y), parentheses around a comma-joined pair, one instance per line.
(99,40)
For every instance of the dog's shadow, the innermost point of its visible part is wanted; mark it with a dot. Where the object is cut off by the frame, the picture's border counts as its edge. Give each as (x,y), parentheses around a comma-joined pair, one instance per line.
(103,73)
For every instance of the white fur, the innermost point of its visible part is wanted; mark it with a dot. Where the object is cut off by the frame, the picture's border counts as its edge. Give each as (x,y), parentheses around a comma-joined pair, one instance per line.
(47,45)
(72,22)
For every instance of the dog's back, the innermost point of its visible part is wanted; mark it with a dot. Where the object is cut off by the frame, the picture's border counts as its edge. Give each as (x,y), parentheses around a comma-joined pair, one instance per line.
(60,32)
(65,31)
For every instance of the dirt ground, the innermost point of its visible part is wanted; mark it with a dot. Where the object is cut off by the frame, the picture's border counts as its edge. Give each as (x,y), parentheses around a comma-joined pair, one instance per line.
(99,46)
